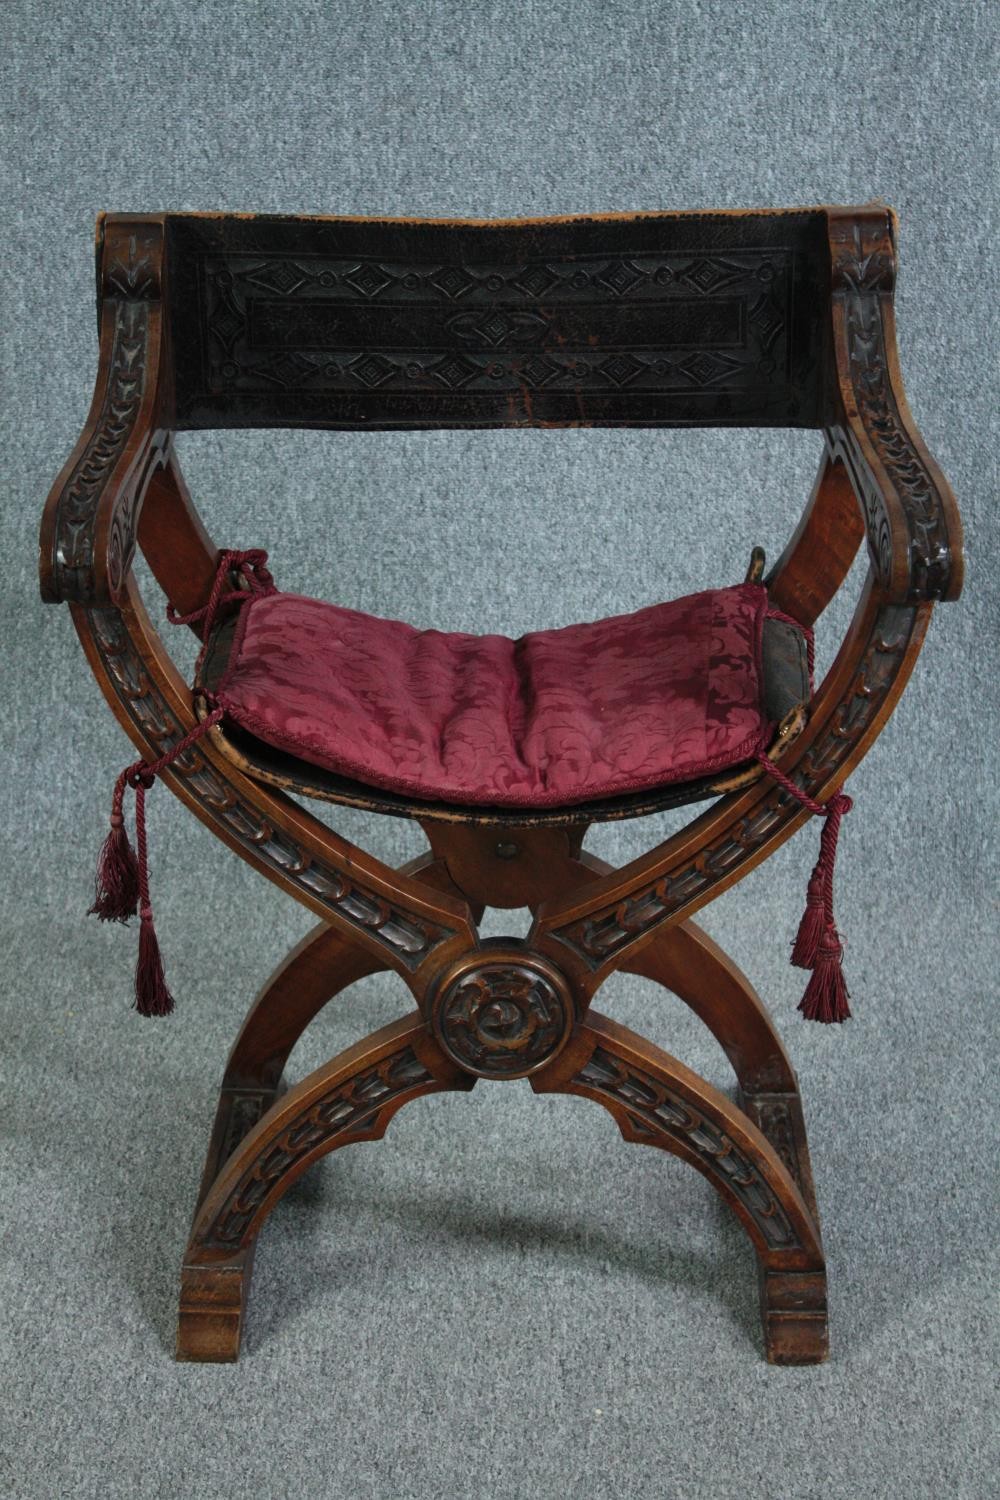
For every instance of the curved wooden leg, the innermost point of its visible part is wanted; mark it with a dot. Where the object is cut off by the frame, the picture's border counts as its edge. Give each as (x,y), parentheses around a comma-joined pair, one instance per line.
(659,1102)
(756,1159)
(325,962)
(687,961)
(319,967)
(351,1098)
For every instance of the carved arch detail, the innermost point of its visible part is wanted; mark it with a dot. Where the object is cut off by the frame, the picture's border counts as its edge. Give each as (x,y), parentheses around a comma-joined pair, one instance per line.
(337,1105)
(681,1114)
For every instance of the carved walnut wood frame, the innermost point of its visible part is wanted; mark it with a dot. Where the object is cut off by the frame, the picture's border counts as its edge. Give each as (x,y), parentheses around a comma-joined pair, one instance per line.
(122,487)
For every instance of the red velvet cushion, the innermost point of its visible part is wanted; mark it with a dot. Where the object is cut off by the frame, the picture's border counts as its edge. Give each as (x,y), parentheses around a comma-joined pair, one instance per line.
(667,694)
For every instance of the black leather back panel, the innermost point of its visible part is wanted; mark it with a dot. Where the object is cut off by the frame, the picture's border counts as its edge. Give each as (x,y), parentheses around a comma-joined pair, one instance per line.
(691,319)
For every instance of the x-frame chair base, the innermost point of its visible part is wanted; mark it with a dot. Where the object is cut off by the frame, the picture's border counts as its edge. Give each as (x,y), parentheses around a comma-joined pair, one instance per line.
(753,1152)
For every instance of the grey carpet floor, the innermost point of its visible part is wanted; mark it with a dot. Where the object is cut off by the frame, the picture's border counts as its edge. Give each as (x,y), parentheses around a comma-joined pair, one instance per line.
(502,1298)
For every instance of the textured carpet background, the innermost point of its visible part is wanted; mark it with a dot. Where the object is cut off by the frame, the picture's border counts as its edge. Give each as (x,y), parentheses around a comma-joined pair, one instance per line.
(501,1299)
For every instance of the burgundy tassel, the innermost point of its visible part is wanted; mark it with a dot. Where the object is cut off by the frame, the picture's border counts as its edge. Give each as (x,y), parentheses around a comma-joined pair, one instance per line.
(152,998)
(122,883)
(817,932)
(817,943)
(116,886)
(810,933)
(826,996)
(123,873)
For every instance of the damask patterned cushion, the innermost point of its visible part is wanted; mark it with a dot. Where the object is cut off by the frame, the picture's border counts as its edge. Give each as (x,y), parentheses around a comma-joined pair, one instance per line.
(671,693)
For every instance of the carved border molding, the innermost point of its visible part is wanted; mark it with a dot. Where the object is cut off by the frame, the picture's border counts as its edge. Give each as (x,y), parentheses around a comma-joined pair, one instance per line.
(408,937)
(864,268)
(772,1115)
(73,547)
(130,260)
(492,341)
(366,278)
(349,1111)
(123,535)
(656,1112)
(602,934)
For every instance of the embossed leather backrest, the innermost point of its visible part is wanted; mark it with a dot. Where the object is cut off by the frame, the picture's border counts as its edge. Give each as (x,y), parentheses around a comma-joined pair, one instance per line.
(654,319)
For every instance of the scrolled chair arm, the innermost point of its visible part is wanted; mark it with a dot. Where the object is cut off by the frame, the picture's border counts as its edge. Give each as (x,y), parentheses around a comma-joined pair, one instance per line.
(88,533)
(912,520)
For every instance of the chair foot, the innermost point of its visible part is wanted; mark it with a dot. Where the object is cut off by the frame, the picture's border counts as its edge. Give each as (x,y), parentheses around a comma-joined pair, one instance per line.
(212,1308)
(793,1305)
(755,1157)
(793,1312)
(214,1294)
(262,1143)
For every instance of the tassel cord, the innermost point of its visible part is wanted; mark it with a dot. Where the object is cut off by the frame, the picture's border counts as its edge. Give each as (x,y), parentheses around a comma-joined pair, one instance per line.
(142,773)
(831,812)
(116,886)
(123,873)
(140,776)
(818,944)
(122,883)
(788,785)
(833,816)
(810,638)
(251,566)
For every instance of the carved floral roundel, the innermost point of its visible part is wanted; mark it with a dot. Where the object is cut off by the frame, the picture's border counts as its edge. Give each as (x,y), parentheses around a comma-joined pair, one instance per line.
(503,1018)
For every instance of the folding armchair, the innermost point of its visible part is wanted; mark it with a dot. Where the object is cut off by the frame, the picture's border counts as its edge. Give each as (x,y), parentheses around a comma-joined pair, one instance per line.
(504,751)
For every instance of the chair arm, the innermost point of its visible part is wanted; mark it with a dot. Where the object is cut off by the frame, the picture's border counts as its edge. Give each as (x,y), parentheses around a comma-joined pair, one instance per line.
(912,520)
(89,525)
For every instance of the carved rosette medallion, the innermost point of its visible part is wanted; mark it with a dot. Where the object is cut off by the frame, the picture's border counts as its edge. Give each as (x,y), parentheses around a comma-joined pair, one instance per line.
(502,1014)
